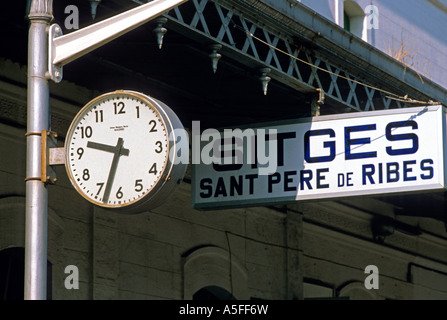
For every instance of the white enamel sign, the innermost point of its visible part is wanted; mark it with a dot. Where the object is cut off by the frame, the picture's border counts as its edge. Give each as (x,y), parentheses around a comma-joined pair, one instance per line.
(326,157)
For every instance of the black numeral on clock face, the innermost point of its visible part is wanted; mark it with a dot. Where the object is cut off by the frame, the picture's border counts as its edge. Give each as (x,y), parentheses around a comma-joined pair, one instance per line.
(153,124)
(100,184)
(86,132)
(119,107)
(138,185)
(119,193)
(80,152)
(160,147)
(85,174)
(153,169)
(99,116)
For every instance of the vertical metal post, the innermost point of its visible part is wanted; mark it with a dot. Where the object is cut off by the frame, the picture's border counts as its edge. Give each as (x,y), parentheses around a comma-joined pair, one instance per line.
(38,119)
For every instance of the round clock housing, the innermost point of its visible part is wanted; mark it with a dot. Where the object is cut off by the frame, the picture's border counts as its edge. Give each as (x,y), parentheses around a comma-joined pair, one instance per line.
(120,151)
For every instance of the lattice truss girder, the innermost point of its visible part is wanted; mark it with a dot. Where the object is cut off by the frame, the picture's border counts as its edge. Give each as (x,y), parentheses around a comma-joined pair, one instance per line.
(228,27)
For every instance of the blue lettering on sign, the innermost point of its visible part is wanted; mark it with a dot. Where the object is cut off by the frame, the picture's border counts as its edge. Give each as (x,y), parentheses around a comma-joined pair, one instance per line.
(408,169)
(400,137)
(320,179)
(306,177)
(352,143)
(220,188)
(361,141)
(368,171)
(296,180)
(425,167)
(393,172)
(327,144)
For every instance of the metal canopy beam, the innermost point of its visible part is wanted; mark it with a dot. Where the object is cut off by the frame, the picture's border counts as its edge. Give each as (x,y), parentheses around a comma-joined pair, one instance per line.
(283,51)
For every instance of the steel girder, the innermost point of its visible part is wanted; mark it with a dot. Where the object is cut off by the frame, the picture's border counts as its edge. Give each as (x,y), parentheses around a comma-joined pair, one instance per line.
(258,44)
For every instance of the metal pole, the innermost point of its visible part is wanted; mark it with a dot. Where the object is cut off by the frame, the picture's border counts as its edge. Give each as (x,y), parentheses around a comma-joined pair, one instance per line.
(38,119)
(40,16)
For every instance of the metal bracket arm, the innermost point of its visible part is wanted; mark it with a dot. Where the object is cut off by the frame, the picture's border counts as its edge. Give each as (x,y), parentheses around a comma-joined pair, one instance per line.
(66,48)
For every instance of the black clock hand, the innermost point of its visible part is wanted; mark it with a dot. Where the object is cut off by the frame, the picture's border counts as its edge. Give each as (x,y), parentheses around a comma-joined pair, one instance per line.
(107,148)
(117,151)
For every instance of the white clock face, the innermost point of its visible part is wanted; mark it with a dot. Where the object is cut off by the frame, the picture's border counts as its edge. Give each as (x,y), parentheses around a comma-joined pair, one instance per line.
(117,149)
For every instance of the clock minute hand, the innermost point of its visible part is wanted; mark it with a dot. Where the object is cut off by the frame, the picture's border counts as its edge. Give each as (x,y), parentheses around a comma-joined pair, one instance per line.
(117,151)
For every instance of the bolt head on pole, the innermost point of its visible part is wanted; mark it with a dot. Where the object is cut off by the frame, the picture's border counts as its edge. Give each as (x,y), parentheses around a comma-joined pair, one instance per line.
(54,71)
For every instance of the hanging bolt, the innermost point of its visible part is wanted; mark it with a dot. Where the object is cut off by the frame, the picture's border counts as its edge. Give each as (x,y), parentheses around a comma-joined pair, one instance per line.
(160,31)
(264,79)
(93,6)
(214,55)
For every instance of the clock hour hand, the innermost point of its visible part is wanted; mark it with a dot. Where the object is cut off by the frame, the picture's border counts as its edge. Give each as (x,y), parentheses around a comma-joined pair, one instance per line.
(108,148)
(117,151)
